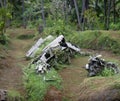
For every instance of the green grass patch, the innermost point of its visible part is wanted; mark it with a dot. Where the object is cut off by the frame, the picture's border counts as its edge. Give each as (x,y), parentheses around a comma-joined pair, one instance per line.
(14,95)
(35,84)
(98,40)
(27,36)
(107,72)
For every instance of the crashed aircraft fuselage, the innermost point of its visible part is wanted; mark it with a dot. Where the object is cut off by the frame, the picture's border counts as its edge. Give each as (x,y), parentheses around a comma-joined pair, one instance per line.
(49,52)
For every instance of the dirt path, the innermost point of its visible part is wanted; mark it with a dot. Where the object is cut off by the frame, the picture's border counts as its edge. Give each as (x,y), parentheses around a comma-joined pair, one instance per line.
(72,77)
(11,74)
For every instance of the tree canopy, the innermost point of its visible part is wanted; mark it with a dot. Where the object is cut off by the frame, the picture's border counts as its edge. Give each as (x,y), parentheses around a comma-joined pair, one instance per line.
(85,14)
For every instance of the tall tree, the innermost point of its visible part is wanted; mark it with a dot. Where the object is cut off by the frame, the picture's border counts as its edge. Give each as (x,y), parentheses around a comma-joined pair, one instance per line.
(1,3)
(105,14)
(85,5)
(108,14)
(43,15)
(77,12)
(23,10)
(114,17)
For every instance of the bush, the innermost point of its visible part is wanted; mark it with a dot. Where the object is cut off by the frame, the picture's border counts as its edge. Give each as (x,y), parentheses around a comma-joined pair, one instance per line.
(106,72)
(36,86)
(115,26)
(4,39)
(24,37)
(59,27)
(95,40)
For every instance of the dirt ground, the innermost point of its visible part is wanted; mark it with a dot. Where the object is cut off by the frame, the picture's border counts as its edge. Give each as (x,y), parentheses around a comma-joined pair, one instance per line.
(14,60)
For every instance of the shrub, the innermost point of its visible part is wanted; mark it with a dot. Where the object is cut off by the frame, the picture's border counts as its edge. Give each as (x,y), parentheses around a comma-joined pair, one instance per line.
(36,86)
(106,72)
(95,40)
(4,39)
(59,27)
(23,37)
(115,26)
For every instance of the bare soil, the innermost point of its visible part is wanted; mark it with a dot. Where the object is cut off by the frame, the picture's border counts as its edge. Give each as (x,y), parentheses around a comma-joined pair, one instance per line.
(14,60)
(53,94)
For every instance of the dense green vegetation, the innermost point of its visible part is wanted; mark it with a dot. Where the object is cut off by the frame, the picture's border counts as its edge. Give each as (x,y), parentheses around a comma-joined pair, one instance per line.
(98,40)
(58,17)
(37,85)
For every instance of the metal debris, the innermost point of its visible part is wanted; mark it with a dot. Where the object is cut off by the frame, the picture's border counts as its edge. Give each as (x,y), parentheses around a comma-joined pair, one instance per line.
(49,53)
(35,47)
(96,65)
(3,95)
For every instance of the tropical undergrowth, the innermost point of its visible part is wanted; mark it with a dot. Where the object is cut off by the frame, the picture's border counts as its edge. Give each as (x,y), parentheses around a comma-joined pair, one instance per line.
(37,84)
(97,40)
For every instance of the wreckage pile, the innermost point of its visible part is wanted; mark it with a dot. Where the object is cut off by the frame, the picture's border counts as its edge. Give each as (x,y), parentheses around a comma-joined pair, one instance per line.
(49,56)
(96,65)
(50,52)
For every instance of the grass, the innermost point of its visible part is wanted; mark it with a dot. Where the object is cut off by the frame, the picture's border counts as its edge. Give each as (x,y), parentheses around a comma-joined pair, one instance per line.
(14,95)
(35,84)
(107,72)
(98,40)
(100,83)
(25,37)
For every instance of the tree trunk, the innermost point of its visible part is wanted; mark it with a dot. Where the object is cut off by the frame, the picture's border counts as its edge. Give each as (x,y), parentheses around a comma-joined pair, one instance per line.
(1,3)
(108,14)
(96,4)
(77,12)
(23,9)
(82,14)
(5,3)
(105,14)
(86,4)
(65,12)
(43,15)
(114,18)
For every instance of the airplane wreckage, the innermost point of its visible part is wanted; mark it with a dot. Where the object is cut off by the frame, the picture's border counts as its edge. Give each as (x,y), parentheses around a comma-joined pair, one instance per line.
(50,52)
(49,56)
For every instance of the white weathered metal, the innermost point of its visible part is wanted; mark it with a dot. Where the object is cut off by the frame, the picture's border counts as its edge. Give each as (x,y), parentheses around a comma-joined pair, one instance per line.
(3,95)
(73,47)
(54,43)
(50,50)
(34,48)
(32,51)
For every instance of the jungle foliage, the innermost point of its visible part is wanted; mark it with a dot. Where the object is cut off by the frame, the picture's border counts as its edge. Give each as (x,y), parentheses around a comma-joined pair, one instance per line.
(84,14)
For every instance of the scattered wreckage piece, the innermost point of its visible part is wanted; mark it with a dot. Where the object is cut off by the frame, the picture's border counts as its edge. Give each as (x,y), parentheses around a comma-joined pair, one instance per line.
(3,95)
(34,48)
(97,65)
(49,53)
